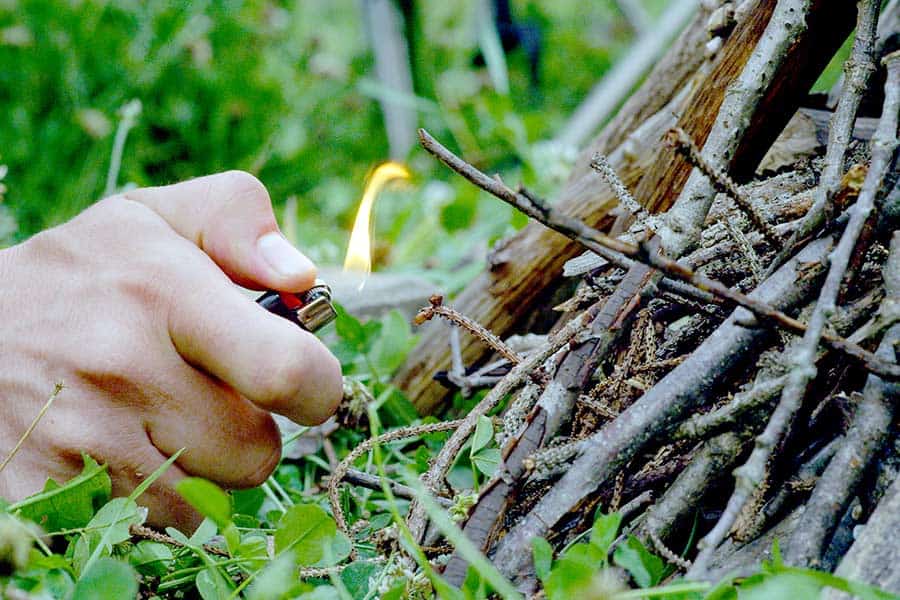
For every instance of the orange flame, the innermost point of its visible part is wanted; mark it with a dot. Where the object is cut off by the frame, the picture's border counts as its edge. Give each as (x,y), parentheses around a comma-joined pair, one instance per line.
(359,250)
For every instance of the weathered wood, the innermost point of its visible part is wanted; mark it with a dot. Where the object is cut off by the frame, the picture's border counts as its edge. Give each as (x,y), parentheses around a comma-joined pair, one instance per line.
(829,26)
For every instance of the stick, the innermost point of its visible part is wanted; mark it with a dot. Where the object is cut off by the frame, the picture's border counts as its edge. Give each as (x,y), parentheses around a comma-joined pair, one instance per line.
(612,249)
(751,473)
(553,409)
(721,181)
(865,438)
(374,482)
(858,68)
(659,410)
(397,434)
(434,477)
(438,309)
(681,498)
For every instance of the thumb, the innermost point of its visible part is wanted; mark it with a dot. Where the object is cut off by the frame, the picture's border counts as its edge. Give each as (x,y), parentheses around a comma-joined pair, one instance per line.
(229,216)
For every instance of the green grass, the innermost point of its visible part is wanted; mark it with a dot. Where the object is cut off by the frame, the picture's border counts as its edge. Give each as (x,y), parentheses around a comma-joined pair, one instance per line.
(281,89)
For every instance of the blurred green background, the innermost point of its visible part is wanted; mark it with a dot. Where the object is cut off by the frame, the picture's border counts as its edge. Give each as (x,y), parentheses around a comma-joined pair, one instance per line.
(286,91)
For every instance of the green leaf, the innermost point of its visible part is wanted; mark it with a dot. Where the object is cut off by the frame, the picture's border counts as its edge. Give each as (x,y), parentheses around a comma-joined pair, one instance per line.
(542,552)
(335,552)
(71,505)
(277,580)
(323,592)
(356,578)
(782,586)
(305,529)
(484,433)
(107,578)
(359,336)
(394,342)
(208,498)
(646,568)
(574,572)
(248,502)
(202,534)
(487,460)
(110,526)
(604,531)
(212,585)
(150,558)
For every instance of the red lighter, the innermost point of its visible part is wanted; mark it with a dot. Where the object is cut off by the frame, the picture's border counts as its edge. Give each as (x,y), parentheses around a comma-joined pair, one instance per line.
(311,309)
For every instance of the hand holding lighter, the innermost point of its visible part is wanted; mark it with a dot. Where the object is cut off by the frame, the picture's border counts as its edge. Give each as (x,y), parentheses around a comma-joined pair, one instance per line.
(311,309)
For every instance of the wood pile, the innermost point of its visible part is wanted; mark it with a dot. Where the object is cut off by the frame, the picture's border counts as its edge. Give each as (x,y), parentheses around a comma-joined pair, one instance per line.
(729,354)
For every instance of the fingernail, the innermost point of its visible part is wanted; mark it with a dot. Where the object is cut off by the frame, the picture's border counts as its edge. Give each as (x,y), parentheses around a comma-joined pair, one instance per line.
(282,256)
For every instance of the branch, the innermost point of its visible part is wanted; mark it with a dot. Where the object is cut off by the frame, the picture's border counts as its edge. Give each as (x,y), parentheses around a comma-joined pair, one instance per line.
(751,473)
(864,440)
(722,182)
(341,470)
(434,477)
(660,409)
(375,482)
(858,69)
(613,250)
(438,309)
(786,27)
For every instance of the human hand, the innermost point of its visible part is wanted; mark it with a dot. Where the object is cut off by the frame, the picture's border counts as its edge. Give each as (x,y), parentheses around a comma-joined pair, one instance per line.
(131,307)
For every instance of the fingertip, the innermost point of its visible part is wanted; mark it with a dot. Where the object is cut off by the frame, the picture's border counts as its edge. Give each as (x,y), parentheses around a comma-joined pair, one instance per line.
(291,269)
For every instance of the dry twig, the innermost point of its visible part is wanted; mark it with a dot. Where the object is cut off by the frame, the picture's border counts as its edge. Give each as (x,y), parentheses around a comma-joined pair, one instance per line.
(721,181)
(438,309)
(858,68)
(396,434)
(864,439)
(751,473)
(613,250)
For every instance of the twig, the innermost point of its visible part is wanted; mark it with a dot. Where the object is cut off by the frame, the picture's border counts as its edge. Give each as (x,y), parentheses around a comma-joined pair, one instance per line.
(763,393)
(434,477)
(786,26)
(56,390)
(601,164)
(635,504)
(438,309)
(808,471)
(663,550)
(745,248)
(658,410)
(613,249)
(680,500)
(554,408)
(701,425)
(397,434)
(858,69)
(678,138)
(374,482)
(751,473)
(144,532)
(864,439)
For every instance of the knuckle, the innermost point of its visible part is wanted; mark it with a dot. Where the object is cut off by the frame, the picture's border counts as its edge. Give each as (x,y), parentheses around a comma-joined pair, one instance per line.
(245,187)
